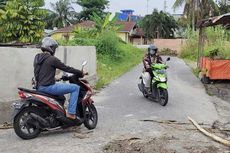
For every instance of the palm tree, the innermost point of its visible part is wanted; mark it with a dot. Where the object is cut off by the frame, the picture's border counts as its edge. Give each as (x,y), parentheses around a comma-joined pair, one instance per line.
(195,10)
(63,13)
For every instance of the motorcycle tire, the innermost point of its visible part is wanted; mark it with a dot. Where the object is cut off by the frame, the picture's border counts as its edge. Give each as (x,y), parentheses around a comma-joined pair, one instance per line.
(28,125)
(145,94)
(163,96)
(91,117)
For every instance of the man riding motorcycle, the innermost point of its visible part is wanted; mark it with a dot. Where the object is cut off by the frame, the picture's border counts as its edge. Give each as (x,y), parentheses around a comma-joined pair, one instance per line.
(45,65)
(151,57)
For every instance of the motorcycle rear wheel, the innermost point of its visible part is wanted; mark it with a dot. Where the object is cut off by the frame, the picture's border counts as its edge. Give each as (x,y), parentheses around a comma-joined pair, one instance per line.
(163,96)
(25,126)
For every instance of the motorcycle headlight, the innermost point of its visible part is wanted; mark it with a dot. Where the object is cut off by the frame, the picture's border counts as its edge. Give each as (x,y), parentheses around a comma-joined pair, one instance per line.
(161,71)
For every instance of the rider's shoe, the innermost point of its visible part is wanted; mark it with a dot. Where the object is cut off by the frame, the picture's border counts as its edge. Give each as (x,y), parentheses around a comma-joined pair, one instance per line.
(74,117)
(148,90)
(71,116)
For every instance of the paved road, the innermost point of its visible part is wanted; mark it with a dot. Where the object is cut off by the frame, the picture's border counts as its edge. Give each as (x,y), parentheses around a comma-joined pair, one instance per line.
(121,107)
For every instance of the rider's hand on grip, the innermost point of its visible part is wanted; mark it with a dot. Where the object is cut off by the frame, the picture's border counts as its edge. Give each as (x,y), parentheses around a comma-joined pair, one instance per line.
(65,78)
(85,73)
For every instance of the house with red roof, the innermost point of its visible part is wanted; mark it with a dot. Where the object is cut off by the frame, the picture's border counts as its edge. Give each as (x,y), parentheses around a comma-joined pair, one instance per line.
(67,32)
(131,33)
(128,32)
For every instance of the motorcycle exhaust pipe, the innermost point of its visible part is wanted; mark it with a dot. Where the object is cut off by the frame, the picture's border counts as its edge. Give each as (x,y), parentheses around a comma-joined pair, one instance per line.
(40,119)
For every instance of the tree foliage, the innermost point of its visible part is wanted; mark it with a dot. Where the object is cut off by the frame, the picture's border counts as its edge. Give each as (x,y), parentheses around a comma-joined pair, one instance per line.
(101,25)
(2,4)
(104,24)
(90,6)
(61,15)
(159,24)
(224,6)
(195,10)
(22,21)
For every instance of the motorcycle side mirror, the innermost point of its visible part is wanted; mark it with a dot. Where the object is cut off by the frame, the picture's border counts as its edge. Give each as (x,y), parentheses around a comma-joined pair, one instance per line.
(168,59)
(84,63)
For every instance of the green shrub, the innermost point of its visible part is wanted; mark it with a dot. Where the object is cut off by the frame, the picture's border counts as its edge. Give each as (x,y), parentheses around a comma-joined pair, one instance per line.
(216,45)
(108,44)
(190,49)
(114,56)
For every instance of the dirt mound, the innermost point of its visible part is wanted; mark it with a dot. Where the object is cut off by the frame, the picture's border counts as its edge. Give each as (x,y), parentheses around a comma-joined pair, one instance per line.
(155,145)
(138,146)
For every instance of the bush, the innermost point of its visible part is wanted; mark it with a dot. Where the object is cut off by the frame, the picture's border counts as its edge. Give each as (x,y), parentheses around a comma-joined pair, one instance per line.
(108,44)
(216,45)
(114,56)
(190,49)
(168,51)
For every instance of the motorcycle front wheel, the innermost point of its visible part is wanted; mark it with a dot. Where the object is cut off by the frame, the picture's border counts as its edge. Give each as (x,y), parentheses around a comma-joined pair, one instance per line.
(25,126)
(163,96)
(91,117)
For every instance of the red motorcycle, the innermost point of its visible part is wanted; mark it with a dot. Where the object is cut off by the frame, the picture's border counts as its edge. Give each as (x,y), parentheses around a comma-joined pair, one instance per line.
(36,112)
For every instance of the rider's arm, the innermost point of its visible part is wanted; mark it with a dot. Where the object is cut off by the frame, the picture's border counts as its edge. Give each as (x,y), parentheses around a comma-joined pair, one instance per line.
(58,64)
(146,62)
(159,59)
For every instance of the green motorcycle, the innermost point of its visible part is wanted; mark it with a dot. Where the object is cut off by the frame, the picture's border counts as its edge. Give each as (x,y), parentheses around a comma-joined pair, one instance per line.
(155,88)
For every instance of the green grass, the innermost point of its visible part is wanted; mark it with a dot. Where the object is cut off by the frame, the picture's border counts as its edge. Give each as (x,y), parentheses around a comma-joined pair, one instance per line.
(109,69)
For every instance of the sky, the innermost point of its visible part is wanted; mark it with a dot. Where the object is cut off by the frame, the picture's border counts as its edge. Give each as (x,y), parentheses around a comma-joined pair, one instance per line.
(139,6)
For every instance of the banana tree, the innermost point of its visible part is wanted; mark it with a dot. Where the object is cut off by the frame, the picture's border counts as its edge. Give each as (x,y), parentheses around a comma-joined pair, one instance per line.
(104,24)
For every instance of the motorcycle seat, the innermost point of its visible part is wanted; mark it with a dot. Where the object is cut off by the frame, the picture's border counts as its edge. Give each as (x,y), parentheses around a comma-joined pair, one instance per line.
(58,98)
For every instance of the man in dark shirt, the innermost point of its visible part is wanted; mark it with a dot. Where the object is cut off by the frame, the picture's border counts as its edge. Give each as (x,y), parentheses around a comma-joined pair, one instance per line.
(45,65)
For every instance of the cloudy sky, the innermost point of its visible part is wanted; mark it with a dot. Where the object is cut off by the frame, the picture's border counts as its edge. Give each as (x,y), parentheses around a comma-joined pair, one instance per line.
(140,6)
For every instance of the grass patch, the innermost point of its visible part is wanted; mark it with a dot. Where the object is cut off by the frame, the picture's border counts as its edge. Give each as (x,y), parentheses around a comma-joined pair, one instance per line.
(109,68)
(193,65)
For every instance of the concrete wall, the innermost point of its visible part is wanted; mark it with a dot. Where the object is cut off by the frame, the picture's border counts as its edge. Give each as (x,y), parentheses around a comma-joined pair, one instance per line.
(16,68)
(174,44)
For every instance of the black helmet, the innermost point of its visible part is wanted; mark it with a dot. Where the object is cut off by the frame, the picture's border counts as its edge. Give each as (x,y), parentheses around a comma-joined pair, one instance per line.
(49,45)
(152,50)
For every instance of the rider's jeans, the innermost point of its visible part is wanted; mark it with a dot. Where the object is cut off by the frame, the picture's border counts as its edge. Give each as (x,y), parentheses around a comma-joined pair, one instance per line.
(61,89)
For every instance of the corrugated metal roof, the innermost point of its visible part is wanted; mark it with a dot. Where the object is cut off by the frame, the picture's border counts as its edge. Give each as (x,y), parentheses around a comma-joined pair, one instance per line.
(218,20)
